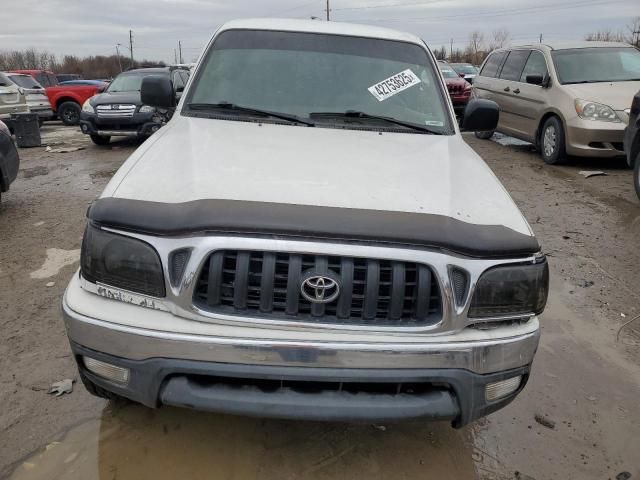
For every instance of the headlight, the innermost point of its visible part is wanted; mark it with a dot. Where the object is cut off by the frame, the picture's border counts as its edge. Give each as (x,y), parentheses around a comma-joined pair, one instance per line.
(595,111)
(121,262)
(86,107)
(147,109)
(511,290)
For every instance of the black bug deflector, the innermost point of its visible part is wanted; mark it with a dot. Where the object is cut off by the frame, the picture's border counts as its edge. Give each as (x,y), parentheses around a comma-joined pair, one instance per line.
(333,223)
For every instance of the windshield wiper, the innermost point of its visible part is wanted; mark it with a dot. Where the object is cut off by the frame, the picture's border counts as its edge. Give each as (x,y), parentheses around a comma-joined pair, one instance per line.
(368,116)
(255,111)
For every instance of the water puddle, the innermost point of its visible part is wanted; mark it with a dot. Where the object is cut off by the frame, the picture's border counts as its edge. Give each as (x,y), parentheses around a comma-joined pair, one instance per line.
(135,442)
(507,141)
(55,261)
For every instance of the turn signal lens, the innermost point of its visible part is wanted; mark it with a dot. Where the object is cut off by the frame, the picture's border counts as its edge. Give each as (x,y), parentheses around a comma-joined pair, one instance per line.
(497,390)
(107,370)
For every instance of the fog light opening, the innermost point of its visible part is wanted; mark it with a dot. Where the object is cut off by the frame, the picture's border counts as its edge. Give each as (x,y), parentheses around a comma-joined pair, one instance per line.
(497,390)
(106,370)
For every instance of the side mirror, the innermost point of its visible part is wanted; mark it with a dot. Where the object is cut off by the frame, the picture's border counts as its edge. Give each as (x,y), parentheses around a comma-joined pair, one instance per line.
(157,91)
(461,75)
(480,116)
(101,89)
(535,79)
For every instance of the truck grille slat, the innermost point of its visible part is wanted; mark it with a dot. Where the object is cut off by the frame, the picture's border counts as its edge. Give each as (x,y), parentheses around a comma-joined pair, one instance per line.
(268,284)
(293,284)
(214,278)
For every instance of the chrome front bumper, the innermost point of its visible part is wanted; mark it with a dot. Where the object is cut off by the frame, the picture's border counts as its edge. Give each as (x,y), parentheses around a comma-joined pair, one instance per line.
(482,355)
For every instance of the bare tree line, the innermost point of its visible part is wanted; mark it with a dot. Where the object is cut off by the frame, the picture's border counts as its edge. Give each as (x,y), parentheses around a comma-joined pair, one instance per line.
(480,44)
(98,66)
(478,47)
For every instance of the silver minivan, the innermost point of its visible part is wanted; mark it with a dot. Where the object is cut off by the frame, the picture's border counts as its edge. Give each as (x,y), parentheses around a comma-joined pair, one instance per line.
(35,95)
(567,99)
(12,100)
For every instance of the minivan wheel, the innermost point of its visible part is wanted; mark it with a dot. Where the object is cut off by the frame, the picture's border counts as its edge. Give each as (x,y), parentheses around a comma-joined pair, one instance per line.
(100,140)
(69,113)
(485,135)
(552,145)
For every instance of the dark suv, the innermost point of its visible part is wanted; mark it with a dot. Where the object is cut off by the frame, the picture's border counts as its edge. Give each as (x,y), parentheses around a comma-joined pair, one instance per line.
(119,111)
(632,141)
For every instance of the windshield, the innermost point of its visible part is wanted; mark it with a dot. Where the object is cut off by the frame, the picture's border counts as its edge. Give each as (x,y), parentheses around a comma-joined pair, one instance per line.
(448,72)
(128,82)
(586,65)
(303,74)
(466,69)
(25,81)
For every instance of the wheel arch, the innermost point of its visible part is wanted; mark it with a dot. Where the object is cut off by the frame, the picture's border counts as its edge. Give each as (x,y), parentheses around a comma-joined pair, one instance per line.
(546,116)
(62,100)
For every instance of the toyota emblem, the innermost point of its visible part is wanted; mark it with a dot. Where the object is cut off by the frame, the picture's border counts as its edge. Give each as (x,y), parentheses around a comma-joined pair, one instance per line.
(320,287)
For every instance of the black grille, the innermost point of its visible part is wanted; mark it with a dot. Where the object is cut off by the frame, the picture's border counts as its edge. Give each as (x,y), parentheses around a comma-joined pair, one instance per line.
(267,284)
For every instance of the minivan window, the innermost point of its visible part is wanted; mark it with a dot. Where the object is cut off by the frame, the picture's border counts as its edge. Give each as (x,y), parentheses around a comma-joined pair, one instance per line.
(25,81)
(492,64)
(536,65)
(311,75)
(593,64)
(514,64)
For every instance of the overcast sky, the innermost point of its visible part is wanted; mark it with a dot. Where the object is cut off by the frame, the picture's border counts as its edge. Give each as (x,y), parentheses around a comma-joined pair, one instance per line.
(92,27)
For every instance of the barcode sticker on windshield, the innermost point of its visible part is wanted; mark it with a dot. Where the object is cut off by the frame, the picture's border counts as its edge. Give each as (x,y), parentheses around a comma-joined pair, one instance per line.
(394,85)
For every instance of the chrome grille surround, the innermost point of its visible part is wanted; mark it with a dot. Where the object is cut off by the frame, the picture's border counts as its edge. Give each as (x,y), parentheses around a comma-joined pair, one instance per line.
(179,298)
(116,110)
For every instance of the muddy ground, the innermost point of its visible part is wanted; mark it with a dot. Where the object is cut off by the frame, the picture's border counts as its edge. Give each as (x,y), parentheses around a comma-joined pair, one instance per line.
(584,387)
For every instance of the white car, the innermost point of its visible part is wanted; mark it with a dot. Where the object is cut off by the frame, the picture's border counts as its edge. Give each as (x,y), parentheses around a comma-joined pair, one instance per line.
(309,237)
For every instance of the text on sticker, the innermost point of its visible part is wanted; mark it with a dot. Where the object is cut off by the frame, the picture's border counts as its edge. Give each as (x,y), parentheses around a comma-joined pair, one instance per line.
(394,85)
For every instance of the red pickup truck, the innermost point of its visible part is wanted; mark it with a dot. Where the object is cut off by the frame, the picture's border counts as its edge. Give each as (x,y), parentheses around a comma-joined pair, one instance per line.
(65,100)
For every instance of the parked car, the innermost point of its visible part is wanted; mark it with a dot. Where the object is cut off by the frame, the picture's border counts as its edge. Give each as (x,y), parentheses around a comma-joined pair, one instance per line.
(119,111)
(459,89)
(465,70)
(12,100)
(66,101)
(632,141)
(245,262)
(97,83)
(66,77)
(568,99)
(9,159)
(35,95)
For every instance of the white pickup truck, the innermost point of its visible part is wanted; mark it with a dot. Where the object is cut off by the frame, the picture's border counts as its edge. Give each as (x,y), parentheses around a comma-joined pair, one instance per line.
(309,237)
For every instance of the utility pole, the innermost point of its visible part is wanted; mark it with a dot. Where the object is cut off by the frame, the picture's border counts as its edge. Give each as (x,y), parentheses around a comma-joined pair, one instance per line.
(328,10)
(118,55)
(131,46)
(540,38)
(451,49)
(180,50)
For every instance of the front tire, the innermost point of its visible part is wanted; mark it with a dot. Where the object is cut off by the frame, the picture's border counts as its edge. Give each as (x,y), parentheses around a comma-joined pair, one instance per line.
(636,175)
(100,140)
(485,135)
(552,142)
(69,113)
(97,391)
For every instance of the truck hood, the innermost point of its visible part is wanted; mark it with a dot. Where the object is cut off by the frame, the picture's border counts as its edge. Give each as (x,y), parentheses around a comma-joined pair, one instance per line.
(107,98)
(194,159)
(617,95)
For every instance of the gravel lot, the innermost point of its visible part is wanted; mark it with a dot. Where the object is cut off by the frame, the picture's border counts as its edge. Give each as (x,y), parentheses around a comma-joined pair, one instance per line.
(577,418)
